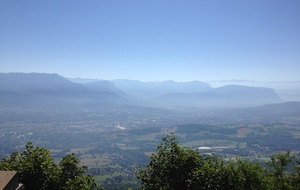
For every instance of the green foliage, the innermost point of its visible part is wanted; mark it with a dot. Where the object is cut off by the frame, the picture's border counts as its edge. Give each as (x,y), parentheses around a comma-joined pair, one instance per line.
(38,170)
(175,167)
(285,173)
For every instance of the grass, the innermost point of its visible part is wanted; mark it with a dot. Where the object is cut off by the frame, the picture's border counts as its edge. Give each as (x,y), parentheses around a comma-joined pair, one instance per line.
(95,160)
(101,178)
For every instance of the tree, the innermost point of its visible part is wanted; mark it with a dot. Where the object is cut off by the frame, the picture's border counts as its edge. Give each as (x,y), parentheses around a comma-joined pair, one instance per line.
(216,173)
(175,167)
(252,175)
(71,176)
(38,170)
(284,171)
(172,167)
(35,166)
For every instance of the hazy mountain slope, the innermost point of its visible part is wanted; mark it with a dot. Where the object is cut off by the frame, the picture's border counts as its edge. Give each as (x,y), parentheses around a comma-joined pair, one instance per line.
(199,99)
(284,109)
(287,112)
(18,100)
(136,88)
(227,96)
(40,83)
(153,89)
(287,90)
(50,90)
(104,86)
(196,93)
(246,95)
(168,87)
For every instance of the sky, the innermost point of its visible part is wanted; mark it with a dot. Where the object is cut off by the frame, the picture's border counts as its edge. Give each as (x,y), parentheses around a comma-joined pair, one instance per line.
(153,40)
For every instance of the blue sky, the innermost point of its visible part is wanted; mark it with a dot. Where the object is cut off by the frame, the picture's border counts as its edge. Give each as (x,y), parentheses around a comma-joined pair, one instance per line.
(153,40)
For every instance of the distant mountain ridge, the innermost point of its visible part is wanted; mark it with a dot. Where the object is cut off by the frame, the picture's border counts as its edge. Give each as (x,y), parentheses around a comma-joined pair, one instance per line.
(104,86)
(38,83)
(252,95)
(287,90)
(196,93)
(39,89)
(138,88)
(33,90)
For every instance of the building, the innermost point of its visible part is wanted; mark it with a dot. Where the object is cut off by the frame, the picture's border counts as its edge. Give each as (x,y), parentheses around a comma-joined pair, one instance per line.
(9,181)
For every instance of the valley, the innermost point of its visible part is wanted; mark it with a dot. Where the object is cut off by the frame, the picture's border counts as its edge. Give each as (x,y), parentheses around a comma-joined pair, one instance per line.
(115,126)
(112,144)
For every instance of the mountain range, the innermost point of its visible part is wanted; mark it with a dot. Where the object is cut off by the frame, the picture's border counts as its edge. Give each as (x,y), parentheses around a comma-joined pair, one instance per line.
(52,91)
(287,90)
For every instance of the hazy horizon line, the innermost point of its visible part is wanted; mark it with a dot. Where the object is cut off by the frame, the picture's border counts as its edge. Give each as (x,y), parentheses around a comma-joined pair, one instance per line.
(140,80)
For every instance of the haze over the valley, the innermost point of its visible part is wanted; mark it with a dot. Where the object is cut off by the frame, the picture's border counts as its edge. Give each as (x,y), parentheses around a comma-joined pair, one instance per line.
(52,91)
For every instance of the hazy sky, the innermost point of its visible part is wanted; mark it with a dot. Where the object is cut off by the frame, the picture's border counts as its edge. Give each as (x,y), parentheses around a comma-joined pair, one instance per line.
(152,40)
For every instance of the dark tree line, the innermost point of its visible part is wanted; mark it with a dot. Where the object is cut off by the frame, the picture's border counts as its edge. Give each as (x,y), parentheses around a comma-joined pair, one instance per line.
(37,169)
(174,167)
